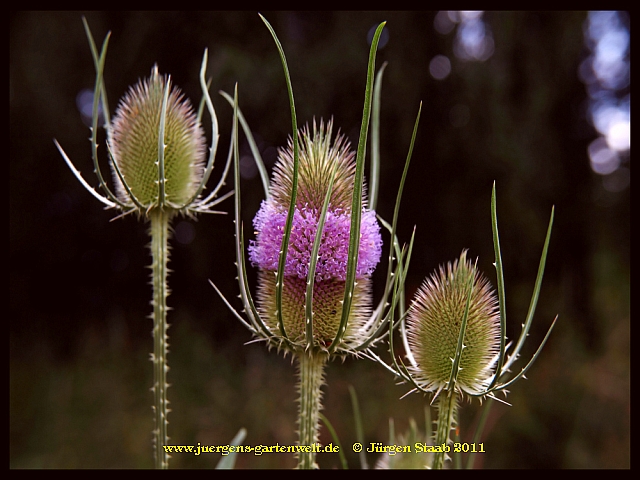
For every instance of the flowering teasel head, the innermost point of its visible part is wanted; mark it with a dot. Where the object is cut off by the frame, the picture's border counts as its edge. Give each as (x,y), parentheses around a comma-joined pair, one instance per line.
(322,162)
(318,240)
(316,246)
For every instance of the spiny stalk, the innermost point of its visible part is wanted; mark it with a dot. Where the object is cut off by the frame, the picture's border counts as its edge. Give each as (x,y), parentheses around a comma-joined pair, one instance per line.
(447,405)
(159,272)
(310,381)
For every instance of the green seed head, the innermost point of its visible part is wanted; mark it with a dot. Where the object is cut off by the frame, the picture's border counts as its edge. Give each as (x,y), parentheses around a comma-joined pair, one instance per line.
(134,145)
(434,322)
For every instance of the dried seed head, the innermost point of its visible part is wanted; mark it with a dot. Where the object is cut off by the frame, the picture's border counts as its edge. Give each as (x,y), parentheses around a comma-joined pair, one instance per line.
(433,328)
(134,138)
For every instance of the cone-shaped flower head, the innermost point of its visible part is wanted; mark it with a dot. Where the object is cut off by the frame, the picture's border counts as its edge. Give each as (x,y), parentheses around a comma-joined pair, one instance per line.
(134,145)
(434,322)
(318,158)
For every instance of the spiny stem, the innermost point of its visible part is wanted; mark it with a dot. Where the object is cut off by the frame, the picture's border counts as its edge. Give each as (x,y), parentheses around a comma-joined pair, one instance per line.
(311,378)
(160,256)
(446,419)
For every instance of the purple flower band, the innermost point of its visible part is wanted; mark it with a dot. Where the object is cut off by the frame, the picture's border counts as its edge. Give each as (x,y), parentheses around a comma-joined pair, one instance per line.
(269,224)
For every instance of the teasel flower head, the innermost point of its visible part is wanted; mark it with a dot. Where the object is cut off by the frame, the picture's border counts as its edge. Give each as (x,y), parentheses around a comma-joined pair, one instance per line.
(454,337)
(317,238)
(434,322)
(321,159)
(317,243)
(135,145)
(156,146)
(454,332)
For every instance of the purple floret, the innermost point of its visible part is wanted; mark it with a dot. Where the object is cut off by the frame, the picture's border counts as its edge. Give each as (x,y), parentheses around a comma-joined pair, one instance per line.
(269,224)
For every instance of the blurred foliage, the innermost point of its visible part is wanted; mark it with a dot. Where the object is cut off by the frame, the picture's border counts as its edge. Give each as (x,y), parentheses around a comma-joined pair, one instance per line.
(79,293)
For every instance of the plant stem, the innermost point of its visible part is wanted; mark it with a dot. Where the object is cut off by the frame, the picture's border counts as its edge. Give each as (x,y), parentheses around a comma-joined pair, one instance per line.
(160,256)
(446,417)
(311,378)
(478,435)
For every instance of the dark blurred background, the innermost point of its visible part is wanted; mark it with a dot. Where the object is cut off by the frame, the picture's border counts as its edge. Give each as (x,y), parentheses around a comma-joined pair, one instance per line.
(536,101)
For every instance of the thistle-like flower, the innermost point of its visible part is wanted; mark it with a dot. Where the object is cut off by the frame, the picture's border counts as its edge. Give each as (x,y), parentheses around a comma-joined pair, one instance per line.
(157,155)
(156,146)
(320,160)
(433,328)
(317,244)
(323,308)
(135,147)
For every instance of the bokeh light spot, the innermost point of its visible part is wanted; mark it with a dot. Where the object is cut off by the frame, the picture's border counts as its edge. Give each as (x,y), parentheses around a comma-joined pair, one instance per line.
(440,67)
